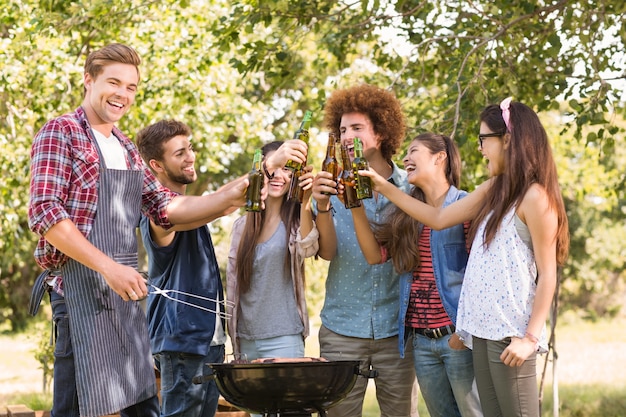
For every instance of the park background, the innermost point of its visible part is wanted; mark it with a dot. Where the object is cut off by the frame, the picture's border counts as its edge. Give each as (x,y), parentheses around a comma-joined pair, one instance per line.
(242,73)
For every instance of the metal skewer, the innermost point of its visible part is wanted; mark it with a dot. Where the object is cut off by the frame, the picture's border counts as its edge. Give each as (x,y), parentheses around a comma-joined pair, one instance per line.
(167,294)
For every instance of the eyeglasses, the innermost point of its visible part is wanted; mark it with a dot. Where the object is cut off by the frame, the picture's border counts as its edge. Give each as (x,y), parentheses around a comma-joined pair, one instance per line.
(483,136)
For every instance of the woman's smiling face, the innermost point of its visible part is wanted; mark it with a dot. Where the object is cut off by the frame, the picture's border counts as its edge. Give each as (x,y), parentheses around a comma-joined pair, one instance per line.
(278,186)
(419,163)
(492,147)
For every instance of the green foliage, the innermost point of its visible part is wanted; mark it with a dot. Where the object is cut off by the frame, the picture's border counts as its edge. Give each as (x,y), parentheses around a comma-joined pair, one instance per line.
(242,73)
(593,188)
(44,354)
(445,60)
(43,50)
(33,400)
(588,401)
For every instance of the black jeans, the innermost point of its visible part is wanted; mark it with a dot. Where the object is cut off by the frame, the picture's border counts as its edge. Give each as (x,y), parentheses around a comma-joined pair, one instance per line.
(64,397)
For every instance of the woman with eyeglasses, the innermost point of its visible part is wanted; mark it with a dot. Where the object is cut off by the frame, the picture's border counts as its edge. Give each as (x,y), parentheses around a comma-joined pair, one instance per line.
(520,236)
(265,273)
(431,264)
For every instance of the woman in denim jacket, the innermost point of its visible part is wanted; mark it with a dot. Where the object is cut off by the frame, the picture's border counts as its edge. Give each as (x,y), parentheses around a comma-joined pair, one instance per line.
(432,276)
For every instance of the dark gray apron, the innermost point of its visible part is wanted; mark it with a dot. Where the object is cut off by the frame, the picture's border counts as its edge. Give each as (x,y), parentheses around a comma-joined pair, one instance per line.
(114,367)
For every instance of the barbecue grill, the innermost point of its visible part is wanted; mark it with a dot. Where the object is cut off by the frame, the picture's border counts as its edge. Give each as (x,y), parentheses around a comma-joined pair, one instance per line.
(291,388)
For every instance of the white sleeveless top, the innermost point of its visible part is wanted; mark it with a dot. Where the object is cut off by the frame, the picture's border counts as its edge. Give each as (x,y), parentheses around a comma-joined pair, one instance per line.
(499,286)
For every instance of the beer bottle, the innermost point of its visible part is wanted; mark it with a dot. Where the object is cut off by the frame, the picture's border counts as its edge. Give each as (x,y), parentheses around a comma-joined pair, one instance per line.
(363,184)
(257,180)
(303,134)
(350,199)
(295,191)
(330,163)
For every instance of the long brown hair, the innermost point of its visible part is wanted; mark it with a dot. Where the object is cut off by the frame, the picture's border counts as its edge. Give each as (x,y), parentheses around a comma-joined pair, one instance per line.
(400,233)
(290,215)
(528,160)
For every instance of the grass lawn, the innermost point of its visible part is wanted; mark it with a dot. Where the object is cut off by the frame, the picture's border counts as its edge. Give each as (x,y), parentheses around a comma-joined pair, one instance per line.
(588,375)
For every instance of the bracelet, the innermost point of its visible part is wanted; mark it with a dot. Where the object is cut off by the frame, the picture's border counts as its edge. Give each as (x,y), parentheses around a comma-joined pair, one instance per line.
(330,207)
(533,339)
(270,176)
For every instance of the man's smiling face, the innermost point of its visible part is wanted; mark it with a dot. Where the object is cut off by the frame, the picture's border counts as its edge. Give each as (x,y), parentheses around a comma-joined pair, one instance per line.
(111,93)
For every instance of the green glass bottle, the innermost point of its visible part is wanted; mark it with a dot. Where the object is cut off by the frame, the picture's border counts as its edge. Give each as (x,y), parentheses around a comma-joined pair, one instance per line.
(257,180)
(330,163)
(349,182)
(303,134)
(363,184)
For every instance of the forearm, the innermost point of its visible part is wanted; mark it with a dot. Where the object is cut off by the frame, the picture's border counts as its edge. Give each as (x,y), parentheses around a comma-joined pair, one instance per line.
(306,216)
(328,237)
(418,210)
(458,212)
(66,237)
(181,227)
(544,294)
(124,280)
(367,241)
(190,211)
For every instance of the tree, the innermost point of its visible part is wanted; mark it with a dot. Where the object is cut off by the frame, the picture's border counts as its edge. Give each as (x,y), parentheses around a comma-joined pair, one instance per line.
(43,51)
(447,60)
(241,73)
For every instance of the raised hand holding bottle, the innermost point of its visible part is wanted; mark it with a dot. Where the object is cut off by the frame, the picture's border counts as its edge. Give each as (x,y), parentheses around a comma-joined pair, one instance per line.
(348,180)
(295,191)
(303,134)
(363,183)
(330,163)
(256,180)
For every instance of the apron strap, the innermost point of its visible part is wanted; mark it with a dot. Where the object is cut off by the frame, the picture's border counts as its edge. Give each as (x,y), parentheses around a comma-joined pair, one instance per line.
(40,287)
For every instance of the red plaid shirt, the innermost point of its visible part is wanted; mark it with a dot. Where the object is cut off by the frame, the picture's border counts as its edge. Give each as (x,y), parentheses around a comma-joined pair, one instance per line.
(65,170)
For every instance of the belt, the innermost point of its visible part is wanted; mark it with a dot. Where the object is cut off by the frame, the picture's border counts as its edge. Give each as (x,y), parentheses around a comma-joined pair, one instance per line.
(436,333)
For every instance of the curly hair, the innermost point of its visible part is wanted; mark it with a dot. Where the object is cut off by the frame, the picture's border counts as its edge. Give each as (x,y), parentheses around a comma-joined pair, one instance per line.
(382,108)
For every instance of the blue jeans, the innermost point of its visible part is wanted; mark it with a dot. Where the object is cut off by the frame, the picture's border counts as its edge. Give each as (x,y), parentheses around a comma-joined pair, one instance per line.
(445,377)
(65,395)
(180,397)
(290,346)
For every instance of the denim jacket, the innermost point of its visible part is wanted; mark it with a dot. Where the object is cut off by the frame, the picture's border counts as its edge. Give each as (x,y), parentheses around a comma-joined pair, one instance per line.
(449,255)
